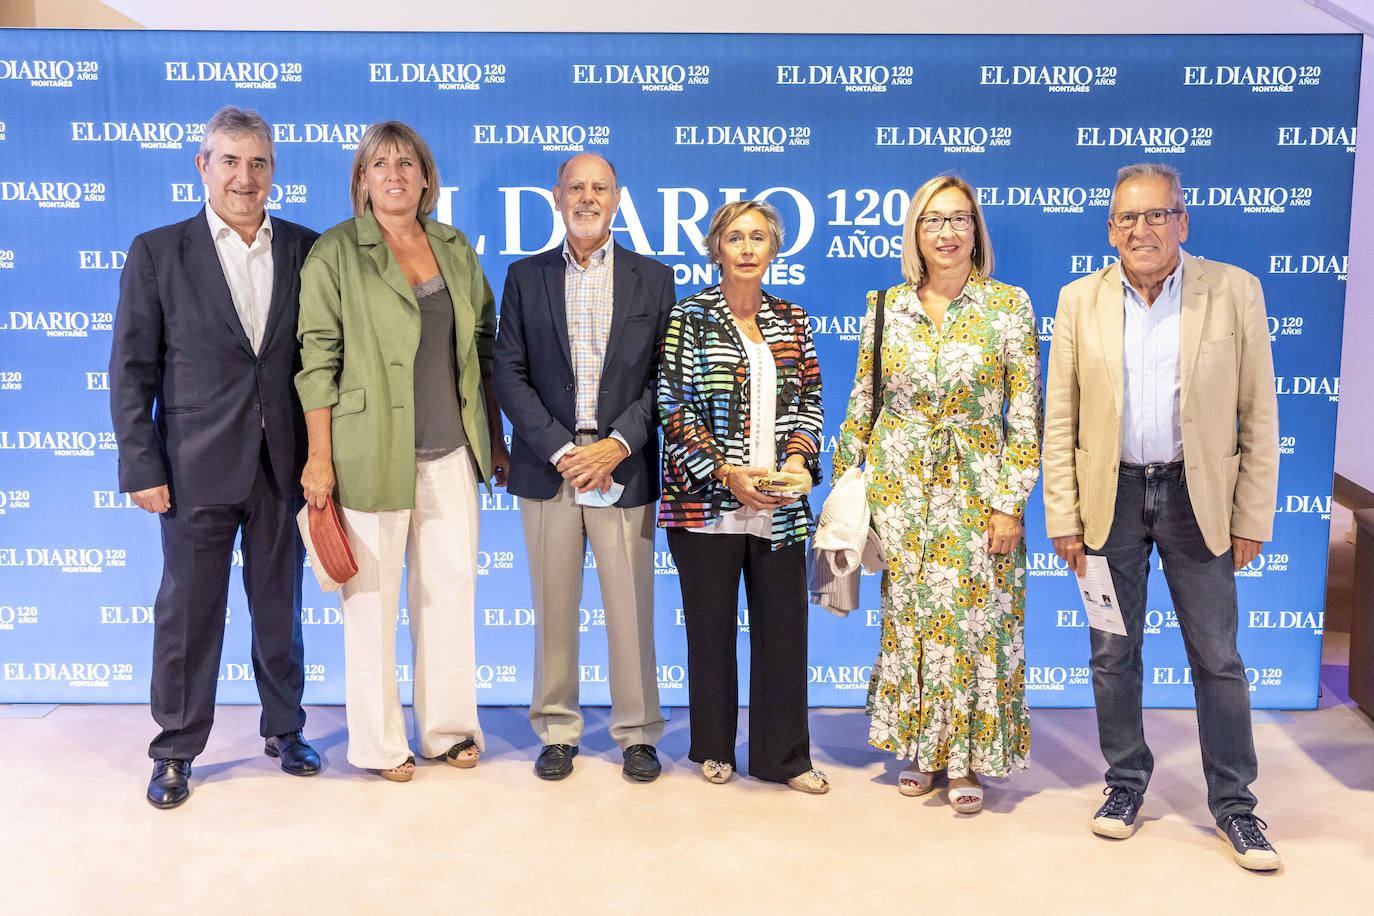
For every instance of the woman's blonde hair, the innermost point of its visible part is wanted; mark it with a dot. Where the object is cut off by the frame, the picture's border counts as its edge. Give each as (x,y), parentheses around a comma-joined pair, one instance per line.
(732,211)
(913,264)
(401,137)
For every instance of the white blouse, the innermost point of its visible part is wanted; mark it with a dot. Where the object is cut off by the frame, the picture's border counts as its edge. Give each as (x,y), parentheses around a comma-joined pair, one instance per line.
(762,449)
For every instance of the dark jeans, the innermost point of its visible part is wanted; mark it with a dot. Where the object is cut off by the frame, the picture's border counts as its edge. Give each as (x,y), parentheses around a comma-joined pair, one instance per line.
(1153,509)
(709,568)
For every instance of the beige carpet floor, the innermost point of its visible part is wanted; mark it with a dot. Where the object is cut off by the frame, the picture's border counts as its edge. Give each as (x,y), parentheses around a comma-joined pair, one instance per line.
(76,835)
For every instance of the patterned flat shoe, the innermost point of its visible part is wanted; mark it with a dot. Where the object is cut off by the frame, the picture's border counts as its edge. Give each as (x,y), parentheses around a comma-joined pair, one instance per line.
(717,772)
(812,782)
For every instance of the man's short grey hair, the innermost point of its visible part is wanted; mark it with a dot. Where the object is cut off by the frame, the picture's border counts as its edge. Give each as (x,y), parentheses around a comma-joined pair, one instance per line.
(1152,170)
(235,122)
(563,167)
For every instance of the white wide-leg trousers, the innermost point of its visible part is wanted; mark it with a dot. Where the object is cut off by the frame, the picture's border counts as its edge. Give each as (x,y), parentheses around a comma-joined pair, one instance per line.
(438,541)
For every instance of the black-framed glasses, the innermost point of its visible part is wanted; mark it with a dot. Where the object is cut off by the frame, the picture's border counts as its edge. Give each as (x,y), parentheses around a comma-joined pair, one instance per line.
(1126,219)
(959,222)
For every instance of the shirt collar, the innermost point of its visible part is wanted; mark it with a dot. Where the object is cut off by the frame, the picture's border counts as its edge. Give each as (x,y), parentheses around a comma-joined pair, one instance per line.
(218,226)
(1171,282)
(907,298)
(602,255)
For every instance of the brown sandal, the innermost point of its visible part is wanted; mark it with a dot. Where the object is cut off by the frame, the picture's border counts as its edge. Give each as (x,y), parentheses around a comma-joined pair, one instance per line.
(403,772)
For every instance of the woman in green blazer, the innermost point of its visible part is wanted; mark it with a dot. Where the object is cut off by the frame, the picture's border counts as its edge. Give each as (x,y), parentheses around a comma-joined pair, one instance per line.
(396,329)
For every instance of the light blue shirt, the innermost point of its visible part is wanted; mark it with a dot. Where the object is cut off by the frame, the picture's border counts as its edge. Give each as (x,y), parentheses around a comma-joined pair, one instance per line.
(1150,346)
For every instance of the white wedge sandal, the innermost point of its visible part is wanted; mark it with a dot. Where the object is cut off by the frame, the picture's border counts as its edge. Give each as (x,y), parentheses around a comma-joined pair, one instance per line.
(912,782)
(956,793)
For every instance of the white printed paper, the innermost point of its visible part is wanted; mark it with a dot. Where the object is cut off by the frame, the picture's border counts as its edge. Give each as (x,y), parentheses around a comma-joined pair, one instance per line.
(1099,597)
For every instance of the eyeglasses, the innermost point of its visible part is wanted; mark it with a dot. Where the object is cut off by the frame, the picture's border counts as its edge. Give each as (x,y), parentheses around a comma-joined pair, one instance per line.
(1157,217)
(959,222)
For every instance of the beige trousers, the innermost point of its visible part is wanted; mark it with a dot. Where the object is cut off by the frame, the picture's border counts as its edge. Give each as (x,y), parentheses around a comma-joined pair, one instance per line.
(557,532)
(438,542)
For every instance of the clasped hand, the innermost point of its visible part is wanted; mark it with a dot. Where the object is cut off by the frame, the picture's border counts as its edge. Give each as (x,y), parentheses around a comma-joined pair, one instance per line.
(741,483)
(588,467)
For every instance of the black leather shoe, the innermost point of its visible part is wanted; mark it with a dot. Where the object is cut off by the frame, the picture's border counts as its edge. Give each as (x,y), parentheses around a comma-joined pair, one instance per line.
(555,761)
(641,763)
(168,788)
(297,757)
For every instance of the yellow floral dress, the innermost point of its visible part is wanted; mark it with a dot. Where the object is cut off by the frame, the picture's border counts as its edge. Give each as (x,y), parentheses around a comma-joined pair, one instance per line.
(957,436)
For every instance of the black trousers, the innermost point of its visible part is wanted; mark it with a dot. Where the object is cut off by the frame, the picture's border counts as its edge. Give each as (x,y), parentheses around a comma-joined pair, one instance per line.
(709,568)
(188,627)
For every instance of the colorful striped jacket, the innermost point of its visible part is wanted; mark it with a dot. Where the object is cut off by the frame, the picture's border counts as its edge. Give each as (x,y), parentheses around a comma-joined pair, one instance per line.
(703,404)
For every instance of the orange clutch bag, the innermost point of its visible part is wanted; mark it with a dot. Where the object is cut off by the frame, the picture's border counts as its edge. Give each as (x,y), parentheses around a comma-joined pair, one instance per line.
(330,556)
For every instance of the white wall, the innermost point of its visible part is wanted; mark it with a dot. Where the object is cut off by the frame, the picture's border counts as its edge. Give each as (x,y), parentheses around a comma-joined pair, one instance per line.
(1355,434)
(878,16)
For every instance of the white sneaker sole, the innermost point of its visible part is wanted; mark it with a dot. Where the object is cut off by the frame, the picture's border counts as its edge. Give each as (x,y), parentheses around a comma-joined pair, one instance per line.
(1255,860)
(1111,828)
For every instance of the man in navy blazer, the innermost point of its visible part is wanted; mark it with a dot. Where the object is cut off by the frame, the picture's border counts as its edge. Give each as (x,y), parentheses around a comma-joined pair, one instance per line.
(212,439)
(576,373)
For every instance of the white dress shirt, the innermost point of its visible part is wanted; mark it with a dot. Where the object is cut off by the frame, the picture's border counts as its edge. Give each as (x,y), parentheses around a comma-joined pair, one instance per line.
(247,270)
(1150,428)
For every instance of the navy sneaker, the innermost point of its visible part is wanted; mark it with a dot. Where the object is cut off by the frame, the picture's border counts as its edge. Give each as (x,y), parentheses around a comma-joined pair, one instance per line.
(1249,848)
(1116,818)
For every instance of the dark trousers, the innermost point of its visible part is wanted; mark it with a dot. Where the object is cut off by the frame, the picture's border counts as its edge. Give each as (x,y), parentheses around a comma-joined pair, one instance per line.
(1153,509)
(709,568)
(188,628)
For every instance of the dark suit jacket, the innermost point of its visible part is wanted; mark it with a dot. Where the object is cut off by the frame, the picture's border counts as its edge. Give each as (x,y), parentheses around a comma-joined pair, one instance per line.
(533,372)
(189,399)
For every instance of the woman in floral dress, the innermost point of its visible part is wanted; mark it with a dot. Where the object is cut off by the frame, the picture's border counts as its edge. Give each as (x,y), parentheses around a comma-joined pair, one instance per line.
(953,453)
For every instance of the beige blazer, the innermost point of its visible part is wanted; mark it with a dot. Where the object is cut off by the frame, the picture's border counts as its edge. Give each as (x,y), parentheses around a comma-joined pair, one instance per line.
(1228,409)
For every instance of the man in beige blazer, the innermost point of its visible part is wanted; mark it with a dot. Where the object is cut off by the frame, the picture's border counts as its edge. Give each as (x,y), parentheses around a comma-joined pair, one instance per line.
(1161,429)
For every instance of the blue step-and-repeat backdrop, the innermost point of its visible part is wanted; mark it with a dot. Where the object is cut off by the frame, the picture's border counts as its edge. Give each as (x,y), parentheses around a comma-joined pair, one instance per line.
(98,131)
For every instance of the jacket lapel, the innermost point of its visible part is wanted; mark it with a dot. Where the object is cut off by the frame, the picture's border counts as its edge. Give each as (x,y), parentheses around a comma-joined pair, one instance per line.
(205,267)
(1193,309)
(782,343)
(370,240)
(558,303)
(625,281)
(283,267)
(464,318)
(1110,327)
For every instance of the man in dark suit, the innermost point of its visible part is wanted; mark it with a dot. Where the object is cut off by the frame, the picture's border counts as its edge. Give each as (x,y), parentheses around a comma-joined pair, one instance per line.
(212,439)
(575,371)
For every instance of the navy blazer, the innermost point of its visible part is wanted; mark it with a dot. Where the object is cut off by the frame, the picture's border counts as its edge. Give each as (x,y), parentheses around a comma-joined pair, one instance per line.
(190,400)
(534,380)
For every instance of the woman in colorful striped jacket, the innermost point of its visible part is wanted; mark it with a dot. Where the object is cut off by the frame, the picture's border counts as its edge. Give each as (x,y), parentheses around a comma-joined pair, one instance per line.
(739,396)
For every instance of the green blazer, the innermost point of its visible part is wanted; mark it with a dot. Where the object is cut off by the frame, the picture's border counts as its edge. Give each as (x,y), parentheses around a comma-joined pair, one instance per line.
(359,329)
